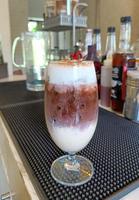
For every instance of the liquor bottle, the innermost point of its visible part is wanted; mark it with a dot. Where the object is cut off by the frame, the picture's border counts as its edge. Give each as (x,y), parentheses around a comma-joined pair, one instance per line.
(106,76)
(98,57)
(110,44)
(106,69)
(135,48)
(97,42)
(88,40)
(123,60)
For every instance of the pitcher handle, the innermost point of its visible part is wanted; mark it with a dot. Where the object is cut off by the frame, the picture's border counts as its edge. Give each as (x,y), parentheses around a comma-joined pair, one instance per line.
(13,52)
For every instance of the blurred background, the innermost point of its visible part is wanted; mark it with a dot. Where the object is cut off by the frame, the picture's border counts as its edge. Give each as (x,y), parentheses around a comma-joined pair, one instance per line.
(28,15)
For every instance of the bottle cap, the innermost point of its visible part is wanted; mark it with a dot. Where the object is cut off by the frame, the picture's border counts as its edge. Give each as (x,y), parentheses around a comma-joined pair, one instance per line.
(111,29)
(126,19)
(96,30)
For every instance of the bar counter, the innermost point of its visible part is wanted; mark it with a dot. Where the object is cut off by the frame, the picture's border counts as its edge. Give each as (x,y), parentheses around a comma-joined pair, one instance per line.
(25,175)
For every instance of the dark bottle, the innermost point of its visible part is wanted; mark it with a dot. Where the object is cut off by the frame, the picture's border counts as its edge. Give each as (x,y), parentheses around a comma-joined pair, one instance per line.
(98,56)
(123,60)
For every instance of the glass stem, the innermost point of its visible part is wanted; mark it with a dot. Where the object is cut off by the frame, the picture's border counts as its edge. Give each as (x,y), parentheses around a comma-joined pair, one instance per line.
(72,158)
(72,163)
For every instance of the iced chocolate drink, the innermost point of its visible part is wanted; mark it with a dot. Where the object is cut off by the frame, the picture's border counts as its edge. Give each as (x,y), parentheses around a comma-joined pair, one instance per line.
(71,104)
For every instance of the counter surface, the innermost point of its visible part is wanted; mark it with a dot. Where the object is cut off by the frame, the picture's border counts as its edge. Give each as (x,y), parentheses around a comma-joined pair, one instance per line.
(25,172)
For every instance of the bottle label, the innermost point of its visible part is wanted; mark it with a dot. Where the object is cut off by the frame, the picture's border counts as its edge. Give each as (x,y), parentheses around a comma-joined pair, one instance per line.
(116,91)
(137,64)
(131,63)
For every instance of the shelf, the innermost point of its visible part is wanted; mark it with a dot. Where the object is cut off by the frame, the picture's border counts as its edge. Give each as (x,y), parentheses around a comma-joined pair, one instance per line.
(64,22)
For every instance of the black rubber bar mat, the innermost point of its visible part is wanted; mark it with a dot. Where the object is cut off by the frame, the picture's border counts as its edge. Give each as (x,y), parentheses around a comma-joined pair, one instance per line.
(16,92)
(114,151)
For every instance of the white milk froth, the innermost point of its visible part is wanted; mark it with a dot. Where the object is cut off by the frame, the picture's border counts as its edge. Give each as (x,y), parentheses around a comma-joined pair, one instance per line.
(72,139)
(71,73)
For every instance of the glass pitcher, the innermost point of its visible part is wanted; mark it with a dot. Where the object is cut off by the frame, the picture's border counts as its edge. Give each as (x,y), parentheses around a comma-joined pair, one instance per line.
(35,50)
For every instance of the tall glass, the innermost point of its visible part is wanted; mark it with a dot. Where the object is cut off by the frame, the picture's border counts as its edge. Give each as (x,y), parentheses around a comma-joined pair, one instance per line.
(71,112)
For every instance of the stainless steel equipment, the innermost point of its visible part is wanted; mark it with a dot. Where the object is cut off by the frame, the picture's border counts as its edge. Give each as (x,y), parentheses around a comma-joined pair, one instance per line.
(131,110)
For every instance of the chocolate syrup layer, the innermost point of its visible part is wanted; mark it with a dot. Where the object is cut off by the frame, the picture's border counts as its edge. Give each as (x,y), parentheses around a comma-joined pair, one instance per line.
(70,106)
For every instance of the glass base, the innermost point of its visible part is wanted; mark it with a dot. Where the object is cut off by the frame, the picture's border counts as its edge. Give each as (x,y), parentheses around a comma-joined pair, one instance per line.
(72,170)
(35,87)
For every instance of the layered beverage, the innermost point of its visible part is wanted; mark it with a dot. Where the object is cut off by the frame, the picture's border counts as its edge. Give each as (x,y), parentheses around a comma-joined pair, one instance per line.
(71,103)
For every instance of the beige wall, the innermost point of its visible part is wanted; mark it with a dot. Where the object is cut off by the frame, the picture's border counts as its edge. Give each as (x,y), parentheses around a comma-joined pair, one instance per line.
(18,17)
(13,21)
(36,8)
(91,12)
(5,33)
(18,22)
(109,13)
